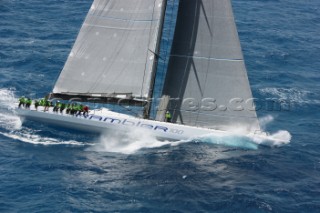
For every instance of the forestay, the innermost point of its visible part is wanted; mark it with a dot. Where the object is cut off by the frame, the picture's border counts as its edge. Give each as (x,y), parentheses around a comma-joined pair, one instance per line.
(206,73)
(114,51)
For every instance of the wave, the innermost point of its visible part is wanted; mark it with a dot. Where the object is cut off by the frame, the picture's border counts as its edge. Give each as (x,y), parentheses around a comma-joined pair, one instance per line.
(279,138)
(28,136)
(129,143)
(7,99)
(252,142)
(228,141)
(8,120)
(294,95)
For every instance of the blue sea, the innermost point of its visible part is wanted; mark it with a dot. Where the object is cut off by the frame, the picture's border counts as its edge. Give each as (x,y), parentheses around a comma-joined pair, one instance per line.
(47,169)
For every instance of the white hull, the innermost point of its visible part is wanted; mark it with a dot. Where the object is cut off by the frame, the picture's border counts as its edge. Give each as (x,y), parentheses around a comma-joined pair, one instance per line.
(104,121)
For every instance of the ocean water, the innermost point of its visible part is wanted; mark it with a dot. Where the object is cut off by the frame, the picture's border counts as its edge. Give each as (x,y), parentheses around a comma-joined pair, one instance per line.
(46,169)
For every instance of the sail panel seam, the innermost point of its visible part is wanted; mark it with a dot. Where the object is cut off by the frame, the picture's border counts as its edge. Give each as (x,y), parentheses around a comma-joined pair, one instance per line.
(207,58)
(216,115)
(128,20)
(117,28)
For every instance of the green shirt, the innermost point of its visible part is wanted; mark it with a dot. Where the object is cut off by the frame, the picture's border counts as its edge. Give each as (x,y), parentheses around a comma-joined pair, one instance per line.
(22,100)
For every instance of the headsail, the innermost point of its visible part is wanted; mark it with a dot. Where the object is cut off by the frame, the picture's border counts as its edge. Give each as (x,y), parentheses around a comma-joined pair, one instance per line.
(114,52)
(206,73)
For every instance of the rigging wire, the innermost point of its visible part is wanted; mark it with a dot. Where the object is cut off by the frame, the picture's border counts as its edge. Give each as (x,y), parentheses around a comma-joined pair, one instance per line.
(167,52)
(146,62)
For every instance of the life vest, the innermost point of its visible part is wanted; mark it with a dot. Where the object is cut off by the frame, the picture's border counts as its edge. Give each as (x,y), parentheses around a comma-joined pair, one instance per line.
(22,100)
(41,102)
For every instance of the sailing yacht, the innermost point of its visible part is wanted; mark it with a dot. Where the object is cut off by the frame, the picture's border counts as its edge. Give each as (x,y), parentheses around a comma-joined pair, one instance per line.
(115,59)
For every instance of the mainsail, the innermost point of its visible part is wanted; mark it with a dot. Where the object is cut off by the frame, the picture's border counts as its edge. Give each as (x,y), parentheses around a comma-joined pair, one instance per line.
(206,78)
(115,51)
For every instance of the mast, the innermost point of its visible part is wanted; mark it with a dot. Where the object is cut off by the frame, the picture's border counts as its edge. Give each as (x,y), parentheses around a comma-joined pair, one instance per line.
(147,108)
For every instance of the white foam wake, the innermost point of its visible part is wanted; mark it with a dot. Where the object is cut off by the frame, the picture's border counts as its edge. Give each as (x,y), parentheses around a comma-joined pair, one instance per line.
(7,99)
(264,121)
(279,138)
(231,140)
(29,137)
(253,141)
(8,120)
(129,142)
(237,137)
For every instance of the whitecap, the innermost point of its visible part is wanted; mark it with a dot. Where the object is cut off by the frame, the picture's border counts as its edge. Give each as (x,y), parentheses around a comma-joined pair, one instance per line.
(294,95)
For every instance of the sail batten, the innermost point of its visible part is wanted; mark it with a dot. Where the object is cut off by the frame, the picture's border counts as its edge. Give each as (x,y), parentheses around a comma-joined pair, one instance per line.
(114,50)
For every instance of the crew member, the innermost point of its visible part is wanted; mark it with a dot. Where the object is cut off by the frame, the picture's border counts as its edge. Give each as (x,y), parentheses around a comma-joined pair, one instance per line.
(68,111)
(168,116)
(80,109)
(42,102)
(85,111)
(74,109)
(46,104)
(62,107)
(28,103)
(36,104)
(22,101)
(56,106)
